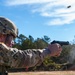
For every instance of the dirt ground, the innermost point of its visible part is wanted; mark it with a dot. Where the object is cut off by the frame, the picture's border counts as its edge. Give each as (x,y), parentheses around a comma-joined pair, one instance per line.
(45,73)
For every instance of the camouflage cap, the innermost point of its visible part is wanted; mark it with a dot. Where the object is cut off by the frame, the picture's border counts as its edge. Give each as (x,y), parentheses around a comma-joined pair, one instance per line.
(8,27)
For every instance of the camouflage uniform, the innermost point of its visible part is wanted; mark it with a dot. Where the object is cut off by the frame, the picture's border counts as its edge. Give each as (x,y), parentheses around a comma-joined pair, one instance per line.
(22,59)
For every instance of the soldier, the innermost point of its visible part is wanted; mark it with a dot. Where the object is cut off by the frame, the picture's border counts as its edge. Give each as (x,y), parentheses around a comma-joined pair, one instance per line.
(20,58)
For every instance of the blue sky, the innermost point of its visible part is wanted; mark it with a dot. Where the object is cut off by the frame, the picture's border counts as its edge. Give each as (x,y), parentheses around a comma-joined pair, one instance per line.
(41,17)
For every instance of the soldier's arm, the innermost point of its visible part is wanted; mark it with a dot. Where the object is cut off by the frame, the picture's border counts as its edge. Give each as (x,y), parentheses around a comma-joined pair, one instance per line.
(27,58)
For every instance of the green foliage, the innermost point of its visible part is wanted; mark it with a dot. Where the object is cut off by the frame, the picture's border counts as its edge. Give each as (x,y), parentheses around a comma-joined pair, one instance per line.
(24,42)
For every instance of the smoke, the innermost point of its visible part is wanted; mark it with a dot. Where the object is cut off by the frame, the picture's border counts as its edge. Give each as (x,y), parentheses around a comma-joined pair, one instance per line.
(72,56)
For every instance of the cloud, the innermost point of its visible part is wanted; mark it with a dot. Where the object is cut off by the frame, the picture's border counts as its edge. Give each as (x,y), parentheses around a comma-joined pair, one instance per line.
(59,12)
(20,2)
(55,9)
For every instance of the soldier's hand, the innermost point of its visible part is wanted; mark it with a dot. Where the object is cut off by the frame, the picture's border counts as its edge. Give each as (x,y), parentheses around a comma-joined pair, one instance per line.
(3,46)
(55,49)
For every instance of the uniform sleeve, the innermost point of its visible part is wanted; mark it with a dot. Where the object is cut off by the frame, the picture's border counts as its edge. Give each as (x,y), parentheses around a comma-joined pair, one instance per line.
(26,58)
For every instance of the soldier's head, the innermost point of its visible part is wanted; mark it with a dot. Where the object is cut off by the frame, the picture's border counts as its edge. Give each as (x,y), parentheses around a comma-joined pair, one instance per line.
(8,31)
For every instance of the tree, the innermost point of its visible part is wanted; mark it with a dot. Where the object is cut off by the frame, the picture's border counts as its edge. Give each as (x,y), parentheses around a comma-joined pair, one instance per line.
(21,38)
(46,39)
(31,38)
(40,43)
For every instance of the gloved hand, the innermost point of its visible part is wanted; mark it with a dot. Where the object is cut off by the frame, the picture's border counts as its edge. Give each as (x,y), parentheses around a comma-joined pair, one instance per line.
(55,49)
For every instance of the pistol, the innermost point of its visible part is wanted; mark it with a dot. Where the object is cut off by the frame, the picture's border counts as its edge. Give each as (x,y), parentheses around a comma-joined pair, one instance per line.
(60,42)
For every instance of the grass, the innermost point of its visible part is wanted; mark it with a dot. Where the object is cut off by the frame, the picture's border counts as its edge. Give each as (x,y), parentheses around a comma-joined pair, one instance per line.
(45,73)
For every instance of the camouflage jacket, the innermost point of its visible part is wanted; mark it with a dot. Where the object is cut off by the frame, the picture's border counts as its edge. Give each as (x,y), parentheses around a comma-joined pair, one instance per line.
(22,58)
